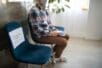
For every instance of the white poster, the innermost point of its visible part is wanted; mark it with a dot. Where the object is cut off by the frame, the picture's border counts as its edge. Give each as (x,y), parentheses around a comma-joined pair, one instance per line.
(17,37)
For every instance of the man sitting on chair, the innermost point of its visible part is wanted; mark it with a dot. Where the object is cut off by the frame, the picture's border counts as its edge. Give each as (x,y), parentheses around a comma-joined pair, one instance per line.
(45,31)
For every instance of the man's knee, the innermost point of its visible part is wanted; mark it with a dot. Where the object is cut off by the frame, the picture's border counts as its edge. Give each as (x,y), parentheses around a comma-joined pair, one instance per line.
(67,37)
(63,42)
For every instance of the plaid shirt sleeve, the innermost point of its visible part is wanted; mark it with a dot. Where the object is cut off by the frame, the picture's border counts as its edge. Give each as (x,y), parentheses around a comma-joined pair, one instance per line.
(51,27)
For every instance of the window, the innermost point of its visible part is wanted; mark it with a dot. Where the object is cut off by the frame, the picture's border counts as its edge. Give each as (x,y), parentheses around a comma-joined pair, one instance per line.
(26,3)
(79,4)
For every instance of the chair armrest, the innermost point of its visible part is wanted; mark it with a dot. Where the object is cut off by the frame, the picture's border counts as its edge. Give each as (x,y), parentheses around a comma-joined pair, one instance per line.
(60,28)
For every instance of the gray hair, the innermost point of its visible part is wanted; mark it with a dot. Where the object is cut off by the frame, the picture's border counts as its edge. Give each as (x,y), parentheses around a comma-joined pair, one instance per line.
(44,1)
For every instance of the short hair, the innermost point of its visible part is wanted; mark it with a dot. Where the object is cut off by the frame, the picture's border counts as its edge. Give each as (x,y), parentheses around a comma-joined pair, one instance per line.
(39,0)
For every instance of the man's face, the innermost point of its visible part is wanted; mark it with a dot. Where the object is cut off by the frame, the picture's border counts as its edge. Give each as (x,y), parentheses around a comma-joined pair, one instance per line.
(42,3)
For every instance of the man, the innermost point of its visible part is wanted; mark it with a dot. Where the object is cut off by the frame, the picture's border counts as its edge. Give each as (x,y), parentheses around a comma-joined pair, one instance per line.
(43,29)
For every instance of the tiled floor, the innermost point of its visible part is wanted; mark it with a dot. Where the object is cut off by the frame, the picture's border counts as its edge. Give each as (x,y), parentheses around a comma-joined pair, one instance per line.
(80,54)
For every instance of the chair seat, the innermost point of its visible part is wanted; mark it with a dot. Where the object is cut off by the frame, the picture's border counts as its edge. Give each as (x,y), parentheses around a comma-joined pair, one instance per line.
(34,53)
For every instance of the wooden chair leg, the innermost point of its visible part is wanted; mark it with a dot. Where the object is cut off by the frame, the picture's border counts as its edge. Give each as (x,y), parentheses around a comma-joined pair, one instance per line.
(53,55)
(23,65)
(42,66)
(26,66)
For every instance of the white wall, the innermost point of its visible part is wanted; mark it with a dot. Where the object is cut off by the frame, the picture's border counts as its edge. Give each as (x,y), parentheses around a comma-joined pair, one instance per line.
(79,23)
(74,20)
(95,19)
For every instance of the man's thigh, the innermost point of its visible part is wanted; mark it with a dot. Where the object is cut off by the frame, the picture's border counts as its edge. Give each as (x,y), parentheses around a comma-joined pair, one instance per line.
(52,40)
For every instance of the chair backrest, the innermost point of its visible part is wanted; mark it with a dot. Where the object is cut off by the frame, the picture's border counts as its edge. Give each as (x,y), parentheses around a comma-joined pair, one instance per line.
(15,35)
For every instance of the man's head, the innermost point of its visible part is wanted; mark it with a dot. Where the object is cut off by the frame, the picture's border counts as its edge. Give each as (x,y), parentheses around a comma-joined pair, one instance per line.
(41,3)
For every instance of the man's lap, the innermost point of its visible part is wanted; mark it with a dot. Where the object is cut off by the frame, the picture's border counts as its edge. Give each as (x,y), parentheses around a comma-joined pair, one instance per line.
(51,39)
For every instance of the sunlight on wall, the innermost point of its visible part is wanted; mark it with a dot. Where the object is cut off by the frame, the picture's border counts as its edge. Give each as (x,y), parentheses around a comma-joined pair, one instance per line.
(3,1)
(85,5)
(79,4)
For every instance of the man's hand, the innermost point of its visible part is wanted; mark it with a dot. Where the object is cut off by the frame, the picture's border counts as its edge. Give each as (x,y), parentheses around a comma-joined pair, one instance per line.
(54,33)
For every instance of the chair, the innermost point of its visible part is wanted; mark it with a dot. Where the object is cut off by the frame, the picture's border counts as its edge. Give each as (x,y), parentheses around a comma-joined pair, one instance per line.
(22,50)
(34,38)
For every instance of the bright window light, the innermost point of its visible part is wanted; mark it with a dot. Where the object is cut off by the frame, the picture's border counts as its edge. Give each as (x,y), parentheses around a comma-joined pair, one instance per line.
(3,1)
(79,4)
(85,5)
